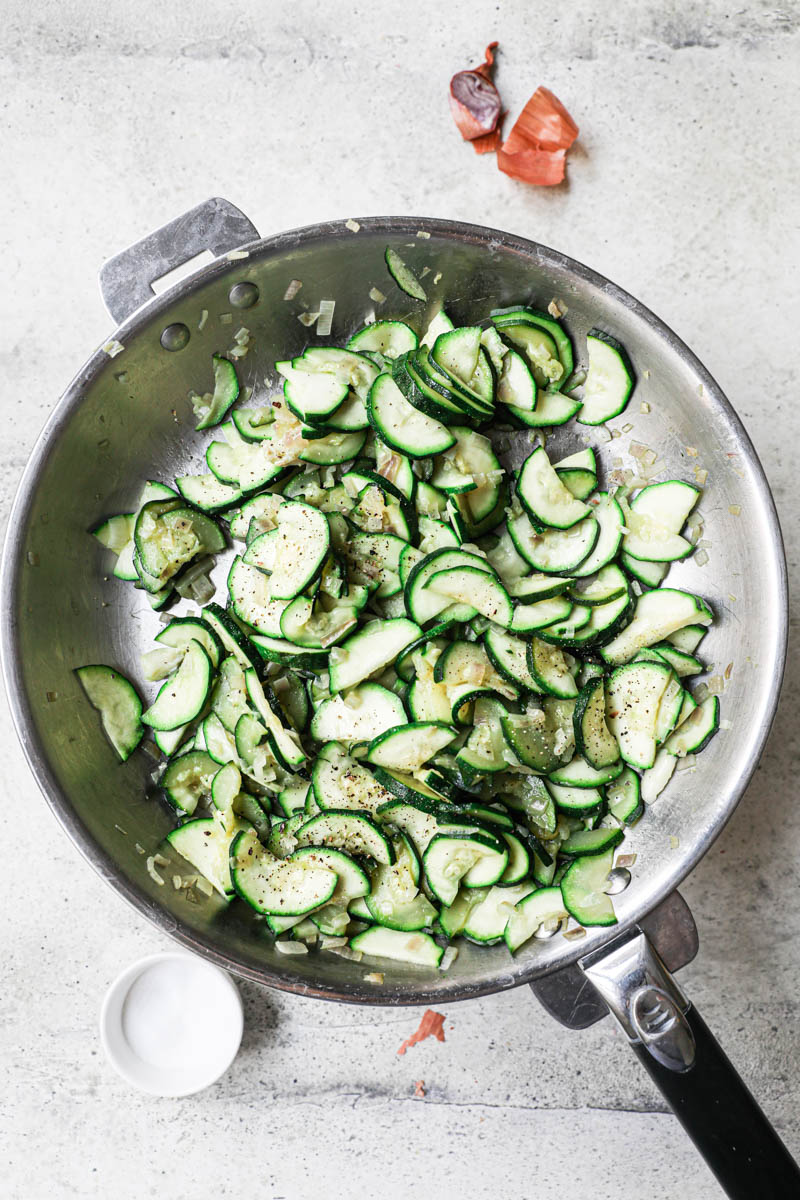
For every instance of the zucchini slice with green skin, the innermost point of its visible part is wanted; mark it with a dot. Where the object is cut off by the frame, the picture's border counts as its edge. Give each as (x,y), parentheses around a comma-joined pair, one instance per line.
(278,650)
(519,860)
(394,900)
(607,585)
(593,738)
(508,655)
(608,515)
(552,327)
(487,921)
(273,885)
(541,614)
(582,890)
(544,497)
(360,715)
(207,493)
(369,650)
(213,409)
(303,543)
(532,739)
(399,425)
(681,663)
(516,386)
(251,599)
(182,630)
(610,379)
(452,860)
(334,448)
(605,620)
(234,640)
(118,703)
(623,796)
(220,742)
(694,734)
(353,880)
(473,586)
(225,786)
(285,743)
(542,909)
(314,627)
(649,574)
(538,344)
(456,352)
(657,614)
(409,746)
(418,949)
(206,843)
(549,668)
(656,778)
(389,338)
(422,603)
(591,841)
(407,787)
(254,424)
(687,639)
(115,532)
(346,830)
(578,773)
(578,473)
(529,589)
(552,408)
(575,801)
(341,782)
(655,518)
(182,697)
(633,696)
(188,778)
(555,551)
(403,276)
(312,396)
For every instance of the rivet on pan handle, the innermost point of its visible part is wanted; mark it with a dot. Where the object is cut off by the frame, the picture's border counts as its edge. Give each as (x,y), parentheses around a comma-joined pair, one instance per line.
(693,1073)
(126,279)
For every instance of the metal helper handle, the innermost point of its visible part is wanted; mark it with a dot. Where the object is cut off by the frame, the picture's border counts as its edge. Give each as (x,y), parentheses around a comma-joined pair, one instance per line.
(693,1073)
(126,279)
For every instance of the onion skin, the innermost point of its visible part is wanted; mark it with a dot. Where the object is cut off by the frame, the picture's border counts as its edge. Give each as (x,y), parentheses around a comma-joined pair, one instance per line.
(535,150)
(474,100)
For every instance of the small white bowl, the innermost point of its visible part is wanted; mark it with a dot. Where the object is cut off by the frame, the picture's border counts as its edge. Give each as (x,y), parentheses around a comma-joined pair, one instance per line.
(171,1023)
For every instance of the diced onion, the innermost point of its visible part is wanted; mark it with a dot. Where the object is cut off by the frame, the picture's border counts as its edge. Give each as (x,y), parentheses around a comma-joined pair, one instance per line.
(290,947)
(308,318)
(152,872)
(352,225)
(325,321)
(292,289)
(448,958)
(376,295)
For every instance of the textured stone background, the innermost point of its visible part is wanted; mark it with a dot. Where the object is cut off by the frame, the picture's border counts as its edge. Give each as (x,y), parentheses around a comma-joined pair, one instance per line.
(683,189)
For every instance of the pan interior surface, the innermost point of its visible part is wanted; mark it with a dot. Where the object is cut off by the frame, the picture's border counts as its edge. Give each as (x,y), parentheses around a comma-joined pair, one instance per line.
(127,418)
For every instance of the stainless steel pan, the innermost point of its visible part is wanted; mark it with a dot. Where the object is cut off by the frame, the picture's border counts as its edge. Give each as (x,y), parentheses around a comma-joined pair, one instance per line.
(126,418)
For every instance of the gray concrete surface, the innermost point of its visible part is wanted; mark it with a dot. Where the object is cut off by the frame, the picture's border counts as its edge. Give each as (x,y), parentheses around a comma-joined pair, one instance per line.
(683,189)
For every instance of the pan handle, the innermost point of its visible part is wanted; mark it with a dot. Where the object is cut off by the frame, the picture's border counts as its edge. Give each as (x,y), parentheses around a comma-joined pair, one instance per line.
(215,225)
(692,1071)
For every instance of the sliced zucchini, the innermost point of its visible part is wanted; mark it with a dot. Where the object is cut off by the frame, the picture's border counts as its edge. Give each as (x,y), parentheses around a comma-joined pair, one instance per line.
(388,338)
(206,843)
(369,651)
(608,515)
(555,551)
(508,654)
(657,614)
(340,782)
(472,585)
(550,670)
(213,408)
(583,890)
(399,425)
(623,796)
(545,498)
(487,921)
(419,949)
(350,831)
(409,746)
(182,697)
(542,910)
(118,703)
(359,715)
(655,518)
(273,885)
(609,381)
(593,738)
(591,841)
(188,778)
(450,859)
(633,696)
(693,734)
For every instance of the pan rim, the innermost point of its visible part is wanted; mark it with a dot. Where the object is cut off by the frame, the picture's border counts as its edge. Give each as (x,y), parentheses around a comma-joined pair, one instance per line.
(12,562)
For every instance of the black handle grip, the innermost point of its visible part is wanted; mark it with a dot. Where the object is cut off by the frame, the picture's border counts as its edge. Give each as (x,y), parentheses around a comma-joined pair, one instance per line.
(724,1121)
